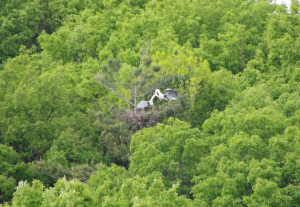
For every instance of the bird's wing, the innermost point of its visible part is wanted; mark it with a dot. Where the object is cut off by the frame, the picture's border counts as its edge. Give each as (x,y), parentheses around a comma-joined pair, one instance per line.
(171,95)
(142,104)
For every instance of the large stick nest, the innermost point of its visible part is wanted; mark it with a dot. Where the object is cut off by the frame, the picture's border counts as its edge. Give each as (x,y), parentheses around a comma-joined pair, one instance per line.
(147,118)
(140,119)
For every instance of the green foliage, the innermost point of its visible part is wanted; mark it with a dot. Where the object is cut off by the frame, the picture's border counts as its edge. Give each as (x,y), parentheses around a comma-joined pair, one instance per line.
(251,152)
(19,26)
(115,186)
(9,158)
(113,136)
(7,185)
(66,193)
(267,193)
(23,21)
(171,149)
(28,195)
(38,102)
(234,63)
(128,83)
(107,181)
(215,93)
(11,168)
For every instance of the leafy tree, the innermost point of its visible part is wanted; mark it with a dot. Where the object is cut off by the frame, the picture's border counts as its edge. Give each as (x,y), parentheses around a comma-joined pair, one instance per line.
(267,193)
(295,7)
(67,193)
(7,185)
(136,84)
(171,149)
(12,171)
(19,25)
(215,93)
(37,100)
(113,136)
(27,194)
(58,121)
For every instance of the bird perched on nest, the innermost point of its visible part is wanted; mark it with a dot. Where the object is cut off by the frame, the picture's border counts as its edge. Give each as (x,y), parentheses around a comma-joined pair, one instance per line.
(145,104)
(171,95)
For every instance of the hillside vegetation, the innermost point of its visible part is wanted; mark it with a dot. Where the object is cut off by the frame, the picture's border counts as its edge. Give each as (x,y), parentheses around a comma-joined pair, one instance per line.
(70,71)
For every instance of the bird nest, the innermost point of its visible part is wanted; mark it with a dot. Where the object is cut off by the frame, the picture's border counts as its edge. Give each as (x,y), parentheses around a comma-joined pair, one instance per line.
(140,119)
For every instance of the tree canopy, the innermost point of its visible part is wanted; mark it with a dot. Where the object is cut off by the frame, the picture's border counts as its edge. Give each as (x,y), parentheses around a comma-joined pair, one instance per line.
(72,71)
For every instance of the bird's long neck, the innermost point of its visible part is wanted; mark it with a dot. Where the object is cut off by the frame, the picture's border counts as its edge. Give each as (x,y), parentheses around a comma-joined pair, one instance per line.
(160,95)
(151,100)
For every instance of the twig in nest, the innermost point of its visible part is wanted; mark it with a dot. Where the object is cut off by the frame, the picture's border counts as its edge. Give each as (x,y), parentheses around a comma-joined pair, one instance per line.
(141,119)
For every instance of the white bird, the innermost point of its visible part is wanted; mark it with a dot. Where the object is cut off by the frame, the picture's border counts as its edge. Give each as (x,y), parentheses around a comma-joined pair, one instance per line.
(171,95)
(145,104)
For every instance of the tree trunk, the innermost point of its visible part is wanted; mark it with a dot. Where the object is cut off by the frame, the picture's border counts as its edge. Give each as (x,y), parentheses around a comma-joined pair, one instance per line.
(135,97)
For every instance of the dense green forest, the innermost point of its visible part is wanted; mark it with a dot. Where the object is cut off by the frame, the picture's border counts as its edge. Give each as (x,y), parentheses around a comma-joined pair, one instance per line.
(71,71)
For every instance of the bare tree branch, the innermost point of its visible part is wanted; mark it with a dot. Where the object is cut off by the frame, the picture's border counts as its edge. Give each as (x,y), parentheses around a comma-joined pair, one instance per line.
(102,141)
(111,69)
(122,97)
(124,85)
(157,86)
(50,175)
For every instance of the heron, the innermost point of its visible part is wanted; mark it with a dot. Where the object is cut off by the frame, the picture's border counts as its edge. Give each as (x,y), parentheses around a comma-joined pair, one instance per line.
(171,95)
(145,104)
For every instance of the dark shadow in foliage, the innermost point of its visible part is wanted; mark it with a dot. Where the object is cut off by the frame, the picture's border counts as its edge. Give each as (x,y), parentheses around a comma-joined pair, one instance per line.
(113,136)
(215,94)
(49,172)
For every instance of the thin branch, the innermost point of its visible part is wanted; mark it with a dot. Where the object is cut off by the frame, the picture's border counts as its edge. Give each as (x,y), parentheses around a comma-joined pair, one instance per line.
(144,93)
(157,86)
(124,85)
(44,173)
(135,98)
(141,60)
(85,181)
(102,141)
(112,90)
(51,112)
